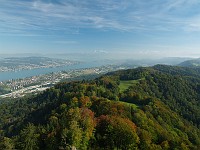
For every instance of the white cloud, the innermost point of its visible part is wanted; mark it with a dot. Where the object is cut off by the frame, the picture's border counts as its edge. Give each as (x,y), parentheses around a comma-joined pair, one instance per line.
(27,17)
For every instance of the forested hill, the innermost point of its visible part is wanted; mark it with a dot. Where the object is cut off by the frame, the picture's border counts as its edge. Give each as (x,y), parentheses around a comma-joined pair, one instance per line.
(144,108)
(191,63)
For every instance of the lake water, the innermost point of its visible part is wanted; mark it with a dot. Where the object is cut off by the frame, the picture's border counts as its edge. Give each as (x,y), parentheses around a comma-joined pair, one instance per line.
(28,73)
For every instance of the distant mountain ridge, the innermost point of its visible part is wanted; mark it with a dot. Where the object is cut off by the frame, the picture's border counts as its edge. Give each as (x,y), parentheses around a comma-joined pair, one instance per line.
(191,63)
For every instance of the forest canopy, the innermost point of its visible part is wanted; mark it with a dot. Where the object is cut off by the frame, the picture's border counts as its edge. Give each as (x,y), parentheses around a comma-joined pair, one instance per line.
(144,108)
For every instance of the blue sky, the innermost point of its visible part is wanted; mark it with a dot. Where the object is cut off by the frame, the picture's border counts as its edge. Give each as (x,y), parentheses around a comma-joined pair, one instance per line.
(129,27)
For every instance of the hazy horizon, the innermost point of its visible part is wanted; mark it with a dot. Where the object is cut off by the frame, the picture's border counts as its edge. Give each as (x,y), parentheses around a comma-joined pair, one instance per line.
(100,55)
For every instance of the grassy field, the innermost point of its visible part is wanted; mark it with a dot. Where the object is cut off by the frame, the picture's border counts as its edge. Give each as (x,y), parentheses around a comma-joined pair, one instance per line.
(129,104)
(124,85)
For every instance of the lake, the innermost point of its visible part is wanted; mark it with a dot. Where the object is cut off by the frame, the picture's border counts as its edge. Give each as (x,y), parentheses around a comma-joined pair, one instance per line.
(34,72)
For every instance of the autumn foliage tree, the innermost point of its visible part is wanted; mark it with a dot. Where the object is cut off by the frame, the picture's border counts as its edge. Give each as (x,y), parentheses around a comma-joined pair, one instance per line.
(116,132)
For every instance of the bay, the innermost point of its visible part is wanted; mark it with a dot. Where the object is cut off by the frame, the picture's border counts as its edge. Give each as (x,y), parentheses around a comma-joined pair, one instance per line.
(34,72)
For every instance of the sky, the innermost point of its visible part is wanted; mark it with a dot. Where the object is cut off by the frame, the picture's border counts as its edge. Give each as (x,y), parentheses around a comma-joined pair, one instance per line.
(160,28)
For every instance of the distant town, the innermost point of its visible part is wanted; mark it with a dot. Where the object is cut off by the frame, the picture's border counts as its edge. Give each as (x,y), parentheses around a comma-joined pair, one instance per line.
(35,84)
(29,63)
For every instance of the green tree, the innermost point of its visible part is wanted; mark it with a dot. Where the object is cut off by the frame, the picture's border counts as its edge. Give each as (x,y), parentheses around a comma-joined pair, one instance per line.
(6,144)
(29,138)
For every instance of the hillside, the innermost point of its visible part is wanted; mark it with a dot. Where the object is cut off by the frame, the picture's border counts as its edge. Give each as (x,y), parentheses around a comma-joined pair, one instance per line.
(191,63)
(144,108)
(29,63)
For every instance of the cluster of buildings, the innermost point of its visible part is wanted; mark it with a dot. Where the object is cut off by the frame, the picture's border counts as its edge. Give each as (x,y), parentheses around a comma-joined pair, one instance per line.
(30,66)
(35,84)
